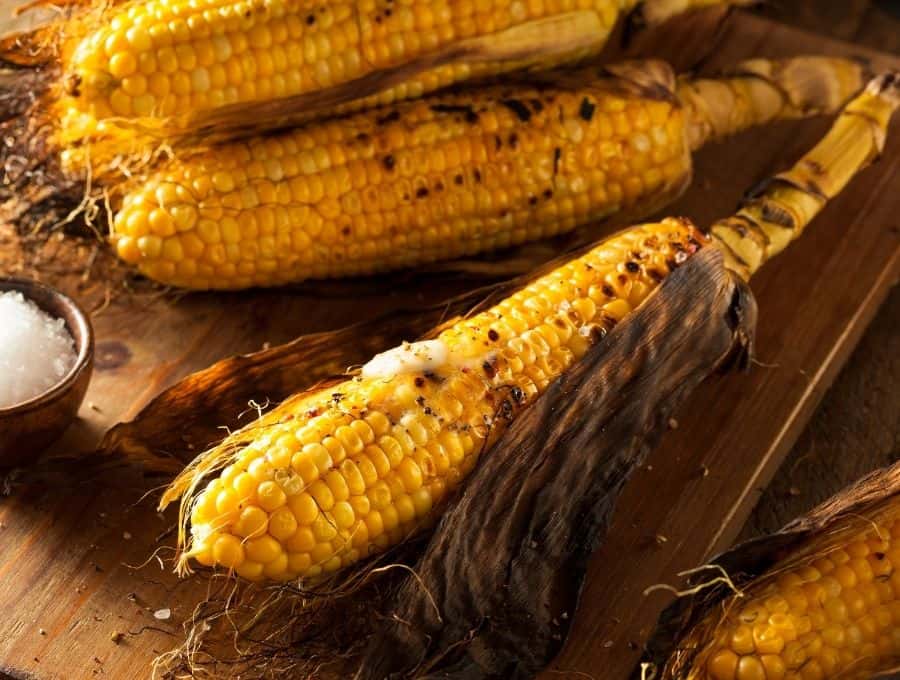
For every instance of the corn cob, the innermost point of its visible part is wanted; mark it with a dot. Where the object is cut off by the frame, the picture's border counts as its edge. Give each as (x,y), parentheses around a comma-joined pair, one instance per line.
(182,60)
(349,470)
(452,175)
(831,609)
(358,467)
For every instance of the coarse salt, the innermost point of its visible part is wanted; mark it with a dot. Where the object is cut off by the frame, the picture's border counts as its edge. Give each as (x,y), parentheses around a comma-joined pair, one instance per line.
(36,350)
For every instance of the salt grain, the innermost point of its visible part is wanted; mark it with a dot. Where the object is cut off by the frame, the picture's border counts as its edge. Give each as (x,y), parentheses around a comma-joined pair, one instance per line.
(36,350)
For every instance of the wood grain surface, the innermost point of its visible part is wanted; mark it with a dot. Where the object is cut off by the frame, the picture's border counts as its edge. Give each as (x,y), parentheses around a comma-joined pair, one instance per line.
(79,584)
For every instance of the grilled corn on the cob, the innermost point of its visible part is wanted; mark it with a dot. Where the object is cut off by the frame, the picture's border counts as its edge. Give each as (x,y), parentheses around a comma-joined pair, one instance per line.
(356,468)
(831,609)
(182,60)
(339,473)
(451,175)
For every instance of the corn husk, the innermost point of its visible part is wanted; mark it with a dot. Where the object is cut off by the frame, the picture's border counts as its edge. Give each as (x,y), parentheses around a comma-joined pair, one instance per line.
(684,625)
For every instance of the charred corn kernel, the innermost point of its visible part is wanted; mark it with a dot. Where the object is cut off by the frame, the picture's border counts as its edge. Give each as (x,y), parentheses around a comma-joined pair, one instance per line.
(445,177)
(845,627)
(431,400)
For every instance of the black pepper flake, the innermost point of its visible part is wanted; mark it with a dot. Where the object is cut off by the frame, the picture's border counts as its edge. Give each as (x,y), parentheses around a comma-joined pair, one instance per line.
(478,176)
(388,118)
(345,231)
(310,20)
(420,381)
(518,108)
(458,179)
(608,290)
(421,192)
(514,140)
(557,155)
(498,143)
(489,369)
(587,109)
(467,111)
(548,193)
(633,267)
(389,162)
(439,186)
(420,400)
(428,411)
(532,200)
(493,335)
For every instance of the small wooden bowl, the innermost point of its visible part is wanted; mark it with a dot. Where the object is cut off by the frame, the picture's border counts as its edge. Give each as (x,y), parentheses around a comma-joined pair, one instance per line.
(28,428)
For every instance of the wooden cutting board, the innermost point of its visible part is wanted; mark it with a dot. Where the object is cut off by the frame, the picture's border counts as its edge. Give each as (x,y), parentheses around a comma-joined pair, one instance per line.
(79,582)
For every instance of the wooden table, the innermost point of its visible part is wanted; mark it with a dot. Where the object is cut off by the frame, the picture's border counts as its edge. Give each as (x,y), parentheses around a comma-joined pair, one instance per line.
(78,585)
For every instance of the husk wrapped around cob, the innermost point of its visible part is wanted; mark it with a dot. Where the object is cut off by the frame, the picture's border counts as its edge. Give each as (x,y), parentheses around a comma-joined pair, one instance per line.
(819,599)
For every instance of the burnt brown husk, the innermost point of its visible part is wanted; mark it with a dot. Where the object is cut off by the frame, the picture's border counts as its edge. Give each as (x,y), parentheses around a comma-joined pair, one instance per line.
(34,193)
(752,559)
(499,580)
